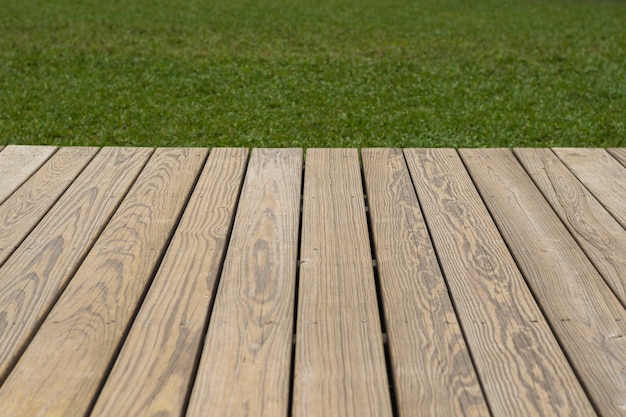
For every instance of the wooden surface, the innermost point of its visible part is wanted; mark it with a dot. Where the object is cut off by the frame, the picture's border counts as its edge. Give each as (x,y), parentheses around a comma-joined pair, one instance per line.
(17,163)
(246,360)
(84,328)
(582,310)
(21,212)
(428,282)
(340,363)
(422,328)
(619,154)
(601,174)
(157,362)
(597,232)
(34,276)
(501,320)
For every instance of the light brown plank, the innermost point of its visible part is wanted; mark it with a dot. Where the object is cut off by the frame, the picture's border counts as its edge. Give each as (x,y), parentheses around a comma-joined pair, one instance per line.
(340,365)
(432,368)
(29,203)
(601,174)
(17,164)
(154,369)
(521,367)
(245,364)
(582,310)
(31,279)
(619,154)
(597,232)
(61,369)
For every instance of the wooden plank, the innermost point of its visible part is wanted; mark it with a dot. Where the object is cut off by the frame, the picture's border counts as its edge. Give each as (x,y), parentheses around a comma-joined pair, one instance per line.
(156,364)
(17,164)
(29,203)
(432,369)
(32,278)
(597,232)
(619,154)
(245,365)
(601,174)
(521,367)
(61,369)
(582,310)
(340,364)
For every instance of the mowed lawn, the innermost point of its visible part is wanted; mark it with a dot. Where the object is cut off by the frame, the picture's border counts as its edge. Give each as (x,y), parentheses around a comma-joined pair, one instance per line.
(313,73)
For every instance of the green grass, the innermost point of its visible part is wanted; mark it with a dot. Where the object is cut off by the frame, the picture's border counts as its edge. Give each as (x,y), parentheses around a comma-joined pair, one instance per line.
(313,72)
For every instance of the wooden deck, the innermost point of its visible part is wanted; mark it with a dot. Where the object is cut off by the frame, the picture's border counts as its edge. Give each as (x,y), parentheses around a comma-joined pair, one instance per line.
(410,282)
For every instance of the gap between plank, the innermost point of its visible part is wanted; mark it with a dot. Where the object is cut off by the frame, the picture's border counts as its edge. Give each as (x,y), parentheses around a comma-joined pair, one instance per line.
(292,366)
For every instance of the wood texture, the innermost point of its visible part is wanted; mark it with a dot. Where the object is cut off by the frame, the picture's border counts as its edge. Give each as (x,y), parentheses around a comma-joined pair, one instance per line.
(619,154)
(101,314)
(432,369)
(60,371)
(32,278)
(245,365)
(583,312)
(597,232)
(601,174)
(340,365)
(155,367)
(29,203)
(17,163)
(521,367)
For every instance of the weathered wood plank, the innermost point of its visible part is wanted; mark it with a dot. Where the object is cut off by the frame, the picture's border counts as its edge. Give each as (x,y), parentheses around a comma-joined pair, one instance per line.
(29,203)
(155,367)
(31,279)
(17,164)
(61,369)
(582,310)
(431,366)
(597,232)
(601,174)
(619,154)
(521,367)
(245,365)
(340,365)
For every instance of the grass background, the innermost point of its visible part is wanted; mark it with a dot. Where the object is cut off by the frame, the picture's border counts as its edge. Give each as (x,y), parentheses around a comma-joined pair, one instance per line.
(313,72)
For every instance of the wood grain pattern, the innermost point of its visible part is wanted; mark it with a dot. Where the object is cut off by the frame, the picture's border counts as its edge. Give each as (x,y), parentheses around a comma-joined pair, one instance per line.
(619,154)
(154,369)
(597,232)
(29,203)
(245,365)
(60,371)
(432,368)
(521,367)
(31,279)
(17,164)
(340,365)
(601,174)
(583,312)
